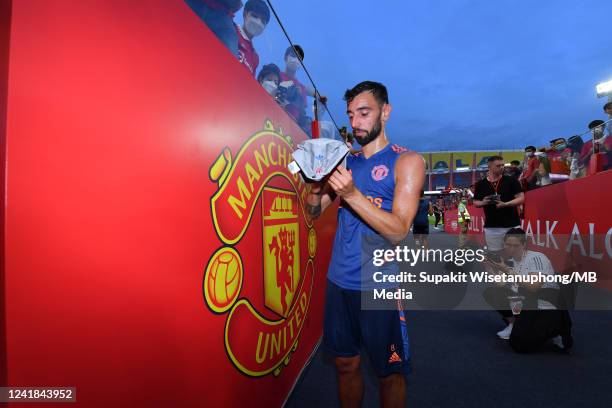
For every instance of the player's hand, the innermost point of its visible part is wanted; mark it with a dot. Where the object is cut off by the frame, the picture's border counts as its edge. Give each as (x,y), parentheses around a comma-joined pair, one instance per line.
(501,204)
(341,181)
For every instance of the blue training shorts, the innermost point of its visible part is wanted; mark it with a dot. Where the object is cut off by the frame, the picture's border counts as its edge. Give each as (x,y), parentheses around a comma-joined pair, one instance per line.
(382,333)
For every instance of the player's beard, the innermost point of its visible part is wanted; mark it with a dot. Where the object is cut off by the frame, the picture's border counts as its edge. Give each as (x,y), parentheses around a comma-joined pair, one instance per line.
(369,136)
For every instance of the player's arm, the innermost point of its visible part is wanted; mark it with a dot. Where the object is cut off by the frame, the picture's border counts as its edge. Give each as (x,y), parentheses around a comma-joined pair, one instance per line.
(319,198)
(394,225)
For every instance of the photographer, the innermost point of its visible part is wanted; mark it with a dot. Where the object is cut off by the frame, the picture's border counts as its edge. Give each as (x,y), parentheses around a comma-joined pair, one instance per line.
(535,318)
(282,92)
(500,196)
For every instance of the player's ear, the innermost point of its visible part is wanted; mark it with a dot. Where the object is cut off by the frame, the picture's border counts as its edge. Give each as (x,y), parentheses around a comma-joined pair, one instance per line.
(386,111)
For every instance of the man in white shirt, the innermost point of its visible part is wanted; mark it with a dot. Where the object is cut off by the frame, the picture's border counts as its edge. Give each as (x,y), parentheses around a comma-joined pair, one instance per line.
(540,319)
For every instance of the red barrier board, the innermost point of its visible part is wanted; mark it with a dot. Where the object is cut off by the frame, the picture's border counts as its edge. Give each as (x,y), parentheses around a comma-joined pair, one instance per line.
(569,221)
(157,249)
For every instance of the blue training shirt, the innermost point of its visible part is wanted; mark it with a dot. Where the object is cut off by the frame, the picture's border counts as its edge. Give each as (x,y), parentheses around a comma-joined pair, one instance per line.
(355,240)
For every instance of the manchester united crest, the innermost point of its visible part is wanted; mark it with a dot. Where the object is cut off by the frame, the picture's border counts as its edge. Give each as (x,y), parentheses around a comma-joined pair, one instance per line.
(262,326)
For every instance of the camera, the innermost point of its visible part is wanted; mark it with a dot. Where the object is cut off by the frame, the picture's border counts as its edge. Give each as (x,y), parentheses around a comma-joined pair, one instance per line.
(287,93)
(492,256)
(494,197)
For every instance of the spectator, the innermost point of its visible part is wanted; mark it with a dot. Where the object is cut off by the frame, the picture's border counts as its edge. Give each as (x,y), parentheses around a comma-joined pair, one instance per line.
(499,195)
(574,145)
(543,172)
(558,155)
(463,216)
(293,90)
(599,144)
(437,212)
(539,320)
(527,179)
(420,224)
(218,16)
(256,17)
(514,170)
(269,78)
(608,110)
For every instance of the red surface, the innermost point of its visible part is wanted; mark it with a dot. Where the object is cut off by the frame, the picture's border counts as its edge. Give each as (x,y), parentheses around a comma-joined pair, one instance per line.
(577,210)
(116,113)
(581,210)
(5,27)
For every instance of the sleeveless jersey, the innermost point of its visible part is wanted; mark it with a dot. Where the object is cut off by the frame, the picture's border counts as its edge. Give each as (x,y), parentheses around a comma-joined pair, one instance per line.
(351,262)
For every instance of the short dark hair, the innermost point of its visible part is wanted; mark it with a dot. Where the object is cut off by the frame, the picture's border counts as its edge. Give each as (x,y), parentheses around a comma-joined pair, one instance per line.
(518,233)
(607,106)
(268,69)
(595,123)
(375,88)
(575,143)
(515,162)
(258,7)
(494,158)
(559,139)
(298,50)
(530,148)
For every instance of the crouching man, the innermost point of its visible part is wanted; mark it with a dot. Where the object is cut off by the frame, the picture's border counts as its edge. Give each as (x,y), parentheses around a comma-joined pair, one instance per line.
(536,317)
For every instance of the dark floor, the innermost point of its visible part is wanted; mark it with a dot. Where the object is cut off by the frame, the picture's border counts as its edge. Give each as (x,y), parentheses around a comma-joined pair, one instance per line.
(458,361)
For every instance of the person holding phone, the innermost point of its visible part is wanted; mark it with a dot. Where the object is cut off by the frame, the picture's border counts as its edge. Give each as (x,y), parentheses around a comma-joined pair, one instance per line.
(499,195)
(541,314)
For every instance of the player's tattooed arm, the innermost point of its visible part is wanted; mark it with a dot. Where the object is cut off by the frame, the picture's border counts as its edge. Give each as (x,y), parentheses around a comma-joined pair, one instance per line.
(318,199)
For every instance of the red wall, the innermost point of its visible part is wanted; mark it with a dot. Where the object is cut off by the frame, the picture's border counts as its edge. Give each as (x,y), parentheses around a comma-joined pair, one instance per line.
(577,215)
(117,113)
(569,221)
(5,30)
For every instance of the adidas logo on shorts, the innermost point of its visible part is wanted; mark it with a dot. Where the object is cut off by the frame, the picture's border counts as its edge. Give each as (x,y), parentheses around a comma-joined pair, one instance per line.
(395,358)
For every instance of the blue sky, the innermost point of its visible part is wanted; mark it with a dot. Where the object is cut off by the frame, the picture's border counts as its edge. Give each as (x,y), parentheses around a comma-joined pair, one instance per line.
(461,74)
